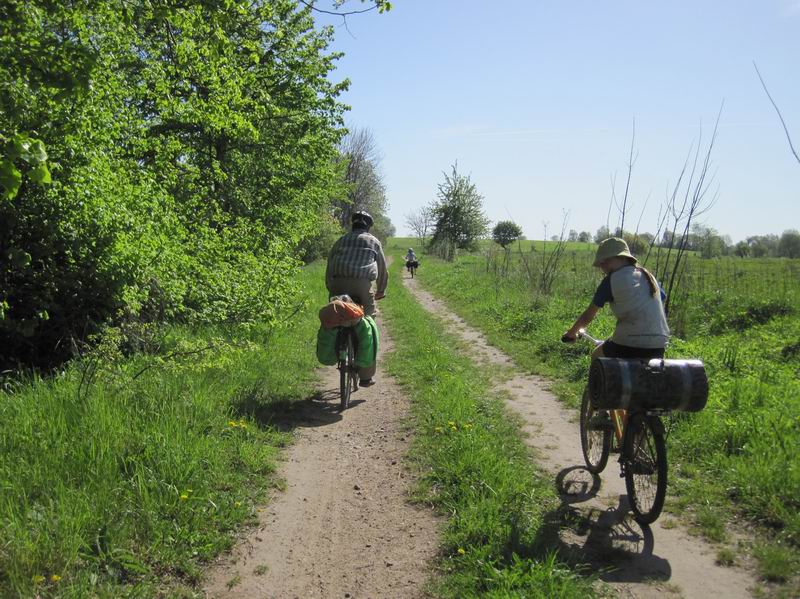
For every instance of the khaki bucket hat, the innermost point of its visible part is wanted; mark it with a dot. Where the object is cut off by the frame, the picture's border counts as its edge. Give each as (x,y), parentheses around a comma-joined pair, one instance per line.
(610,248)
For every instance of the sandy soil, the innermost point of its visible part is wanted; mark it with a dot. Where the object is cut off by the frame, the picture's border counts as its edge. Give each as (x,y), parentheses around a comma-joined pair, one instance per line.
(636,561)
(343,527)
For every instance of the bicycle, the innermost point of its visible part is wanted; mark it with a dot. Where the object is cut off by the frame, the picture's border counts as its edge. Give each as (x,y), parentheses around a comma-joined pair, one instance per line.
(411,266)
(346,343)
(638,435)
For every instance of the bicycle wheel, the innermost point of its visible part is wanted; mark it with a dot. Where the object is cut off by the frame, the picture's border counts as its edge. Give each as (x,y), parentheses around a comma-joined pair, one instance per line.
(346,365)
(645,465)
(595,438)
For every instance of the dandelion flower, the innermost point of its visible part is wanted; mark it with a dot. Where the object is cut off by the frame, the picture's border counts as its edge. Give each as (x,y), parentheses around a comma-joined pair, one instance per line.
(38,579)
(450,423)
(461,551)
(184,496)
(232,423)
(437,429)
(237,503)
(55,578)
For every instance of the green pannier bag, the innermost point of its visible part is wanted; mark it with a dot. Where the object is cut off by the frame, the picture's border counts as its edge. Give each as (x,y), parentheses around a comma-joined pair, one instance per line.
(367,350)
(326,346)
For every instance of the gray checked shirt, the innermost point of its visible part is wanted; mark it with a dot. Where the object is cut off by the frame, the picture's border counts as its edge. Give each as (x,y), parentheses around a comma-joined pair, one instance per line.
(358,255)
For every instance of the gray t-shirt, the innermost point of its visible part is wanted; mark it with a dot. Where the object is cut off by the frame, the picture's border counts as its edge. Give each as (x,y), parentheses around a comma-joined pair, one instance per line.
(640,314)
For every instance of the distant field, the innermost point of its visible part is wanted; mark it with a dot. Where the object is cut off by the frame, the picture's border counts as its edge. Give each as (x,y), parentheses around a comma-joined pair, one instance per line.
(741,455)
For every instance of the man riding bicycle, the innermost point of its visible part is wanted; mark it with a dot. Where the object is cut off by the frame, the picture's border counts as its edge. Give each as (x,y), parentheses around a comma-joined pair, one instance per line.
(354,262)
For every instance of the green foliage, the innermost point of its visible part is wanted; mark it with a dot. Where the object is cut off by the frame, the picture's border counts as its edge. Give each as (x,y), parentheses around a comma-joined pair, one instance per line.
(192,152)
(506,232)
(123,476)
(458,214)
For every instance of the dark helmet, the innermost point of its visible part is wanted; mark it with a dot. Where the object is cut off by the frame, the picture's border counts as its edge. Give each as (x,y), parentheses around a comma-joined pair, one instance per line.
(362,218)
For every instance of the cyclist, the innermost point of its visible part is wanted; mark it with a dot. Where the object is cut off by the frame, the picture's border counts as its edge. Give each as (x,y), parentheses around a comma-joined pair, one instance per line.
(635,298)
(410,257)
(354,262)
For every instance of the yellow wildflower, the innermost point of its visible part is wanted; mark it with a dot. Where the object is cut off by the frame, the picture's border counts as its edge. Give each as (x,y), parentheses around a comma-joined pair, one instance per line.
(232,423)
(184,496)
(237,503)
(461,551)
(38,579)
(55,578)
(437,429)
(450,423)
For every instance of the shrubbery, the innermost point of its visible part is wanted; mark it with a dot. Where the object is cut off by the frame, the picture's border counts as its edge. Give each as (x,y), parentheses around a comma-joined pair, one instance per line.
(192,148)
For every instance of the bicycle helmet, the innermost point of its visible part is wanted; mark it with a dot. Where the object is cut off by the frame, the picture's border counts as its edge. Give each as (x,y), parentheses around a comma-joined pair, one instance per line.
(362,218)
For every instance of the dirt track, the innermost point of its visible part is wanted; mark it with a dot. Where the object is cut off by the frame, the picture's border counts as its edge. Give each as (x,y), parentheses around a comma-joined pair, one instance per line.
(641,562)
(343,527)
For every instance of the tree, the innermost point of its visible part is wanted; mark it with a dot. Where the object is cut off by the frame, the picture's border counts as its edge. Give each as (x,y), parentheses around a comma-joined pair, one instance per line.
(742,249)
(601,234)
(458,213)
(362,177)
(506,232)
(584,236)
(789,244)
(573,235)
(420,223)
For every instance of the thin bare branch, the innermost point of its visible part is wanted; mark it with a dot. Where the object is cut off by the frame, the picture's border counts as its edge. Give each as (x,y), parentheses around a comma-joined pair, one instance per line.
(780,116)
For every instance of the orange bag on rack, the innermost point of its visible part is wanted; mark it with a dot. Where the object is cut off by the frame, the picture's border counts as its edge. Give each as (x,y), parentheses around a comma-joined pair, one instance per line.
(340,313)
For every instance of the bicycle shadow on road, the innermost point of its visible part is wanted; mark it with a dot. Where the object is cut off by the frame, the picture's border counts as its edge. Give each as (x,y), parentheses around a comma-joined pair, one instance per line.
(320,409)
(608,540)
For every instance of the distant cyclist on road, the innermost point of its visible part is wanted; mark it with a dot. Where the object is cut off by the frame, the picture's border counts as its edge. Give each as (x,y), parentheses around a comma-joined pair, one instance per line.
(635,298)
(411,256)
(354,262)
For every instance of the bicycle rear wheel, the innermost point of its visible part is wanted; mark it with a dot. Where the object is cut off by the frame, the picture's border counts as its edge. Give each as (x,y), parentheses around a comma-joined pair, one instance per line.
(595,439)
(645,465)
(346,370)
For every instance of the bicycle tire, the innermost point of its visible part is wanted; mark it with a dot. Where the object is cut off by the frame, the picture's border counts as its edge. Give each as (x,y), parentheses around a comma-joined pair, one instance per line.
(595,444)
(645,465)
(346,365)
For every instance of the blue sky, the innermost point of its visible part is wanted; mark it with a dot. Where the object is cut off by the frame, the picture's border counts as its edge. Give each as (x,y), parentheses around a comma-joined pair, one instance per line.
(535,100)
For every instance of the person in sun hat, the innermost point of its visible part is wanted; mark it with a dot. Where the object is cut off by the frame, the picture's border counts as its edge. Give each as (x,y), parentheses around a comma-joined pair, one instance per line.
(635,298)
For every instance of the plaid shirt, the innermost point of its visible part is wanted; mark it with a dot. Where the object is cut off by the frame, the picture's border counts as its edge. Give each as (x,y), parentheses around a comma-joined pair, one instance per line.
(358,255)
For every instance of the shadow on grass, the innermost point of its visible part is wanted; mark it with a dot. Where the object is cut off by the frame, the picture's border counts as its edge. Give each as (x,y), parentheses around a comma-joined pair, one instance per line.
(288,413)
(608,542)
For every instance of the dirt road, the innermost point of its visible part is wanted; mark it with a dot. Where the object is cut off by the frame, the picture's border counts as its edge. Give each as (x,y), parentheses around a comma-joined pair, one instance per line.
(343,527)
(636,561)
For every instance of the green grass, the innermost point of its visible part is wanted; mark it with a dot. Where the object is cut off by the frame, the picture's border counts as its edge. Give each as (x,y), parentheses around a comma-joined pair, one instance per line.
(503,516)
(741,455)
(124,476)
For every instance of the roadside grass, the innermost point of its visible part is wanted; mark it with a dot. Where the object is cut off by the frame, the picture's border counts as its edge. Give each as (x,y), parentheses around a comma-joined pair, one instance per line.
(123,476)
(738,457)
(475,469)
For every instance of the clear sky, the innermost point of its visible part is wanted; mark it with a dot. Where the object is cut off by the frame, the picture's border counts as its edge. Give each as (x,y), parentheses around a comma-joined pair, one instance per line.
(535,100)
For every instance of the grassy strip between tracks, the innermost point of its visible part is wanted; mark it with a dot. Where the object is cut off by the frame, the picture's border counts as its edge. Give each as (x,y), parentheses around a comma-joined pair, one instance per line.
(123,476)
(475,468)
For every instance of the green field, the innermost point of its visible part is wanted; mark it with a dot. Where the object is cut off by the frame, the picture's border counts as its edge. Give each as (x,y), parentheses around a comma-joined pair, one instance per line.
(123,476)
(741,455)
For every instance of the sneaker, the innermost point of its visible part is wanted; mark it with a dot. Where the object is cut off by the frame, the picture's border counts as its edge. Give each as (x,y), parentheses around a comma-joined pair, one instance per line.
(366,382)
(600,422)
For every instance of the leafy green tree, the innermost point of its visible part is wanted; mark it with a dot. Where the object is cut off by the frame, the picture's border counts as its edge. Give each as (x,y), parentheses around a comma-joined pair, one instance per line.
(192,148)
(506,232)
(458,214)
(789,244)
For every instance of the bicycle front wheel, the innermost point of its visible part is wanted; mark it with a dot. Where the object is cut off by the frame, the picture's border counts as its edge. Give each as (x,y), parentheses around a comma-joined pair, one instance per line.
(645,463)
(595,437)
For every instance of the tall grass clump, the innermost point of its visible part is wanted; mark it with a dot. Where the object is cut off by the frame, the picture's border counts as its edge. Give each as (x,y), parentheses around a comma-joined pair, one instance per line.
(123,475)
(475,469)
